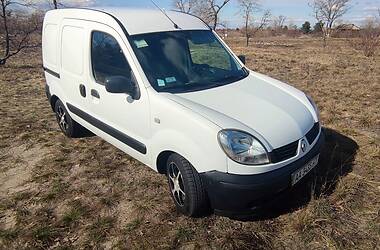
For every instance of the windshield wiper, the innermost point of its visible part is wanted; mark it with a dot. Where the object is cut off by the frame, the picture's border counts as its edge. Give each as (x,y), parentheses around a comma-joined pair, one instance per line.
(225,80)
(189,88)
(197,86)
(232,78)
(205,86)
(167,89)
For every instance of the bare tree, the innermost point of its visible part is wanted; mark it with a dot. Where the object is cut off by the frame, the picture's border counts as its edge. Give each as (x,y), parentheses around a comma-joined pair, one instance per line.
(369,39)
(248,9)
(278,22)
(209,11)
(185,6)
(56,4)
(264,20)
(17,30)
(327,12)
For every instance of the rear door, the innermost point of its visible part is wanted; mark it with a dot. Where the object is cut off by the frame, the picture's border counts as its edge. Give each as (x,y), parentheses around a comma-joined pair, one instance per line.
(121,120)
(73,63)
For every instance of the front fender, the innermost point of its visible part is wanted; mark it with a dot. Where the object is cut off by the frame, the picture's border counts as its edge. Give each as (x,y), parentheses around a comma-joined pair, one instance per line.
(179,129)
(206,156)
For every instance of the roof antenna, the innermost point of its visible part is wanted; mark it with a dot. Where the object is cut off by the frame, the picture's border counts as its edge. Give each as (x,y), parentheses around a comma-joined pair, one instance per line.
(163,12)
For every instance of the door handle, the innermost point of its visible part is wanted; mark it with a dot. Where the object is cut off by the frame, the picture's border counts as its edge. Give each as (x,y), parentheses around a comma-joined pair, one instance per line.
(82,90)
(95,93)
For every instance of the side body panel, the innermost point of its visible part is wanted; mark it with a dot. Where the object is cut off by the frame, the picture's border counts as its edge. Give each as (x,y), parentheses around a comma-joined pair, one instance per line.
(65,83)
(50,52)
(73,54)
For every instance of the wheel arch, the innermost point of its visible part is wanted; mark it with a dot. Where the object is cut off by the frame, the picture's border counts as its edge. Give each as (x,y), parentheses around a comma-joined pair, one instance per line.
(53,101)
(162,159)
(201,151)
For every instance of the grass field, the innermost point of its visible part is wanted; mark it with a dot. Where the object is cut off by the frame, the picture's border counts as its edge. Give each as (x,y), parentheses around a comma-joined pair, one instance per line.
(65,193)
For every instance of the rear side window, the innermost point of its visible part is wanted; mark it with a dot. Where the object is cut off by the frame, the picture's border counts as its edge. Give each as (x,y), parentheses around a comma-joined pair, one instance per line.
(107,58)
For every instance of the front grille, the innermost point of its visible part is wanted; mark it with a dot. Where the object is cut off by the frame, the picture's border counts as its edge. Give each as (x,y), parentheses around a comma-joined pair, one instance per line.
(285,152)
(290,150)
(312,134)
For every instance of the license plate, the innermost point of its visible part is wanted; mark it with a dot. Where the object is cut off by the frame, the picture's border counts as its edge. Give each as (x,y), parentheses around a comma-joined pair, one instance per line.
(300,173)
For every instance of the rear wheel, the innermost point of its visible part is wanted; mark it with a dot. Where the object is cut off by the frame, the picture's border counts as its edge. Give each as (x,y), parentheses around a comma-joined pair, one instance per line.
(67,125)
(186,187)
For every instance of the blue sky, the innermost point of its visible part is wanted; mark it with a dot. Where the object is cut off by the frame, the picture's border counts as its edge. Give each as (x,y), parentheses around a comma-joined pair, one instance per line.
(296,11)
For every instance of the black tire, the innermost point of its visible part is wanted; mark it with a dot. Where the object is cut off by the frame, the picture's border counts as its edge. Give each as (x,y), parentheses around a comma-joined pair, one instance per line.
(193,200)
(68,126)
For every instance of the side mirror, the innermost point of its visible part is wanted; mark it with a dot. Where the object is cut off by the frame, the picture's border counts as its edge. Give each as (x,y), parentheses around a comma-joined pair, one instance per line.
(242,58)
(121,85)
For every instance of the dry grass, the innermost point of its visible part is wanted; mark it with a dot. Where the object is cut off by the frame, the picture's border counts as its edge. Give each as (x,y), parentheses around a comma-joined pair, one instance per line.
(84,193)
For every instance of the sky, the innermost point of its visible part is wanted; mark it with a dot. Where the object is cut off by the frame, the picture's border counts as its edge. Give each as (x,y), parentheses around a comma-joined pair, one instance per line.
(296,11)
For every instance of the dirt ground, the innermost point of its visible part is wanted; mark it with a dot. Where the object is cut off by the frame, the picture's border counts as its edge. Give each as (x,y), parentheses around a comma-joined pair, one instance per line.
(65,193)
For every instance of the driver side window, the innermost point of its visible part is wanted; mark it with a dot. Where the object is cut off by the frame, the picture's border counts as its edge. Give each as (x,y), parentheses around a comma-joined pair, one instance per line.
(107,58)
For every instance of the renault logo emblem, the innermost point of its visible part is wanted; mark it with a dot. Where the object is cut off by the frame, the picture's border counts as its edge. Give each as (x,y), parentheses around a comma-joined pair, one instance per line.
(303,145)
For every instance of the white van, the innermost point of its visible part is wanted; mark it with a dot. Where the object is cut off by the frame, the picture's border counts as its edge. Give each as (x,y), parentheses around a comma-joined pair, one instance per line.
(165,89)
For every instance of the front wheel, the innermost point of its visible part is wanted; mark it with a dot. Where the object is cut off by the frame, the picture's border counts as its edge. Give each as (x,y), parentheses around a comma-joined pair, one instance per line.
(186,186)
(67,125)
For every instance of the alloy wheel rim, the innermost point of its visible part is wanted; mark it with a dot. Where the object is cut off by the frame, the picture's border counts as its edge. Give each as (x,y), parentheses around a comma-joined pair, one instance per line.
(176,184)
(62,119)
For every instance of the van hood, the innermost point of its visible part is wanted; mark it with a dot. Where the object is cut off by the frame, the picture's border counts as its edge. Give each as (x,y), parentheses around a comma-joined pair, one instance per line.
(276,112)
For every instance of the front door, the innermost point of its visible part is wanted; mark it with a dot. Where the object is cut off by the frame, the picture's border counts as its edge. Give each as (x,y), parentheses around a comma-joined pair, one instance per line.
(122,120)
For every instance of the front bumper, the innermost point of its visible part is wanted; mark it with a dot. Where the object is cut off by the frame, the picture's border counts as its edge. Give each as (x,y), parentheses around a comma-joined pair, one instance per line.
(233,194)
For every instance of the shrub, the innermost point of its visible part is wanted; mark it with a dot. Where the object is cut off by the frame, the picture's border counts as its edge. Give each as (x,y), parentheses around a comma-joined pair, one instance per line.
(369,39)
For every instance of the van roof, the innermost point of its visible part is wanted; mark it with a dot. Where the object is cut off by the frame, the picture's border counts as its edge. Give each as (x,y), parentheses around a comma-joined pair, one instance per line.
(139,21)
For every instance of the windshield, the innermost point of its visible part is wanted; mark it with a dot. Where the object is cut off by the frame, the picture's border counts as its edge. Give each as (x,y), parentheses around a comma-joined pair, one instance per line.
(184,61)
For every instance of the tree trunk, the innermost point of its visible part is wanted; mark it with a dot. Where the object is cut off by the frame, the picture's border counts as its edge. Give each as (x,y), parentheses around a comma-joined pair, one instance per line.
(246,30)
(325,35)
(7,38)
(215,21)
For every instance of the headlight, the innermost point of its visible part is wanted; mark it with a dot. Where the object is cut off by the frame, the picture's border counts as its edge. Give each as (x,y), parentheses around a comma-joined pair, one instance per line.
(243,147)
(314,105)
